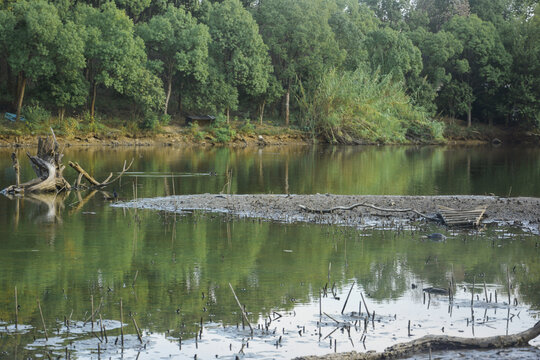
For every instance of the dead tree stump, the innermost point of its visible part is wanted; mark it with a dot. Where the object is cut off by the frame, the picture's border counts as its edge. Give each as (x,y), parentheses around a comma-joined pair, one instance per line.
(47,164)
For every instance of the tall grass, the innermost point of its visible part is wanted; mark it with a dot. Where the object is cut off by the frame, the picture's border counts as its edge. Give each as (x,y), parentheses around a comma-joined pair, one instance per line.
(349,107)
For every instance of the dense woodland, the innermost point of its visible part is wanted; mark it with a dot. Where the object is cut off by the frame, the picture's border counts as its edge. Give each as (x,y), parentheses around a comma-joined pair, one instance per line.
(383,70)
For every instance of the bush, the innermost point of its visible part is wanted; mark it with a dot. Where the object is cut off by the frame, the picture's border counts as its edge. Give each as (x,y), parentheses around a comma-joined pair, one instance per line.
(196,132)
(221,130)
(247,128)
(35,116)
(165,119)
(150,121)
(347,107)
(69,127)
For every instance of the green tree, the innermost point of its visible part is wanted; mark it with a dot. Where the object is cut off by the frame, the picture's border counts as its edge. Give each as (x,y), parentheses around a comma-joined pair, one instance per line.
(30,35)
(179,47)
(440,12)
(483,65)
(351,23)
(67,87)
(437,50)
(238,51)
(115,57)
(301,42)
(392,52)
(520,100)
(389,11)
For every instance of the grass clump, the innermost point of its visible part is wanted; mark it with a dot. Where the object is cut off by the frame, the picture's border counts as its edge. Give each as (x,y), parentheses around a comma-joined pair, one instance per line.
(196,132)
(352,107)
(222,131)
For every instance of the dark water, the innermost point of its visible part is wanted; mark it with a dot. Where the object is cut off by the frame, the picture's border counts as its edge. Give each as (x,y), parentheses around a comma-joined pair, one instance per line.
(172,272)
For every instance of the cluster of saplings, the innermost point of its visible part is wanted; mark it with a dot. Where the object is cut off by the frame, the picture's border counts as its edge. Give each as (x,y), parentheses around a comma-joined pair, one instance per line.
(345,70)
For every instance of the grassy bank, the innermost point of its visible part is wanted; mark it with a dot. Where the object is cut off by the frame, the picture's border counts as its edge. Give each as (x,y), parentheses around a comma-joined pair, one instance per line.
(117,131)
(124,131)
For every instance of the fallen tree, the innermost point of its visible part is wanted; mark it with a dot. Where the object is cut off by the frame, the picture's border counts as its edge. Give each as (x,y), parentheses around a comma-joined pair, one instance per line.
(437,343)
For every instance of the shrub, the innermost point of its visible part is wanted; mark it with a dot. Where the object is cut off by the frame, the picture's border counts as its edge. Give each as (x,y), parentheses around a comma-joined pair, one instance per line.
(150,121)
(35,116)
(221,130)
(247,128)
(349,106)
(196,132)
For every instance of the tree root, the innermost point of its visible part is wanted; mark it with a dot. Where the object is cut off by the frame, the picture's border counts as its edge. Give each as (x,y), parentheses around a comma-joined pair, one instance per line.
(439,342)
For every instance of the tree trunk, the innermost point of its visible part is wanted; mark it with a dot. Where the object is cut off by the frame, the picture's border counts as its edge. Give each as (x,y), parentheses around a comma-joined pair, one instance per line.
(227,115)
(21,97)
(169,90)
(93,105)
(287,99)
(61,113)
(469,116)
(262,112)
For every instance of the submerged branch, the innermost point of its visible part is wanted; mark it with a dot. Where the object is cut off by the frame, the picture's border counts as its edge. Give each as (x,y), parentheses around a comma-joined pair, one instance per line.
(94,183)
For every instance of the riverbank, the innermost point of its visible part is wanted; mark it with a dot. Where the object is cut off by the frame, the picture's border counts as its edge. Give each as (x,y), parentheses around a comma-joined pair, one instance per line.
(178,134)
(173,134)
(522,212)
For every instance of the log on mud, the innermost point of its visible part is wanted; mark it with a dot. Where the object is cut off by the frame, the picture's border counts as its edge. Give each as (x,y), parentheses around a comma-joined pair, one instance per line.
(439,342)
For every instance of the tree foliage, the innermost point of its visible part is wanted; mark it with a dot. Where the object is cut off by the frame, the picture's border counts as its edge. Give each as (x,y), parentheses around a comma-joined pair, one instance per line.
(472,59)
(178,46)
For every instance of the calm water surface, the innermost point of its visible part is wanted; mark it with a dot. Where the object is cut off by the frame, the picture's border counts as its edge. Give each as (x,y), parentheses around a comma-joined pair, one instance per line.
(172,272)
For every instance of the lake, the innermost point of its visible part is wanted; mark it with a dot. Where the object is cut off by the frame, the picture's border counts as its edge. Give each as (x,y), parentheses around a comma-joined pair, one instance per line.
(301,285)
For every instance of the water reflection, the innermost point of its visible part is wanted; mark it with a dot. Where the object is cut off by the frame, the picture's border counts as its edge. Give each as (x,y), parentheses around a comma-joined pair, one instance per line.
(171,271)
(307,170)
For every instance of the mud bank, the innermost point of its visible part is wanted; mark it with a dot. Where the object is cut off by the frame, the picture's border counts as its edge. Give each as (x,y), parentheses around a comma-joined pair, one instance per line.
(522,211)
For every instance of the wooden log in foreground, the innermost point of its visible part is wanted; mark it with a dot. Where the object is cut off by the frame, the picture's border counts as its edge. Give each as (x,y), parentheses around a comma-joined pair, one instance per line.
(437,343)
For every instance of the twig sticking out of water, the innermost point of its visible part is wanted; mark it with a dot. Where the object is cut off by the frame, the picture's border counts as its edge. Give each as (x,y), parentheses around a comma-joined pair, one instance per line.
(347,299)
(121,323)
(16,309)
(472,291)
(92,312)
(137,328)
(320,303)
(241,308)
(365,304)
(337,322)
(42,320)
(135,278)
(508,280)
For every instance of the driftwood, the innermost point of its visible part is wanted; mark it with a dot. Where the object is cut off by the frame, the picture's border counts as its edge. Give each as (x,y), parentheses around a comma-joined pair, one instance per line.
(326,211)
(47,165)
(440,342)
(94,184)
